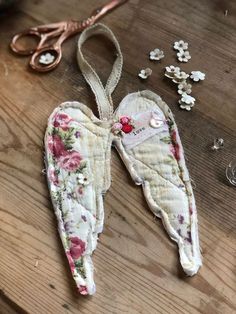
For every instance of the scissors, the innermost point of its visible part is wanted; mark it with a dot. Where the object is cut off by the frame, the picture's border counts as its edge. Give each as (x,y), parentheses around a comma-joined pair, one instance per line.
(46,56)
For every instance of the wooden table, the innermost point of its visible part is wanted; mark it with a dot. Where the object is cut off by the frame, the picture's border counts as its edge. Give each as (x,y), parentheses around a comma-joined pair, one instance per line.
(137,268)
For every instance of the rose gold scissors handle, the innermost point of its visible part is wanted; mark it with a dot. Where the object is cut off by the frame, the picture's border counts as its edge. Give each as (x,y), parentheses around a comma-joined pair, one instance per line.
(46,56)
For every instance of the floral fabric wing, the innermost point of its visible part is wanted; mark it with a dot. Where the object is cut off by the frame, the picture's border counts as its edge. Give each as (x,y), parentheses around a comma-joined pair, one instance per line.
(155,160)
(78,173)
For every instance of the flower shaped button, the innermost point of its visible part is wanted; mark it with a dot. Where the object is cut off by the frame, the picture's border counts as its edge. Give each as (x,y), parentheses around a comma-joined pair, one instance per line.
(46,58)
(197,76)
(180,77)
(156,54)
(184,87)
(145,73)
(180,45)
(186,102)
(183,56)
(171,71)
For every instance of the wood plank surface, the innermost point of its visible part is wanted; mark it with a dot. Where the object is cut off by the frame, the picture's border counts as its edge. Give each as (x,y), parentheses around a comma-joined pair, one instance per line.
(137,268)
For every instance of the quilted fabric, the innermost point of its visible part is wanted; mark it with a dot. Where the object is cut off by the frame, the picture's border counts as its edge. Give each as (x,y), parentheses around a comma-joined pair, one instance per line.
(78,147)
(158,164)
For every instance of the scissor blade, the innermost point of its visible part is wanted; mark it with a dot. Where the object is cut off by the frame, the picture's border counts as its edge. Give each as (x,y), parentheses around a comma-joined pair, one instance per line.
(99,12)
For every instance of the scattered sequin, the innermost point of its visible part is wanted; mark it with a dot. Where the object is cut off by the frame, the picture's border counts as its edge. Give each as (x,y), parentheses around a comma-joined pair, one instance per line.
(197,76)
(47,58)
(180,45)
(156,54)
(145,73)
(183,56)
(218,144)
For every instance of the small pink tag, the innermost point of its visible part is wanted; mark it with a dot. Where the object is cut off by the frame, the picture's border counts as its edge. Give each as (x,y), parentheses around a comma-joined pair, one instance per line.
(146,124)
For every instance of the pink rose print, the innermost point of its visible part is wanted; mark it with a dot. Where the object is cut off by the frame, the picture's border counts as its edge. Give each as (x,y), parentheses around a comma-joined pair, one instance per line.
(175,149)
(70,260)
(77,134)
(56,146)
(52,176)
(191,210)
(68,226)
(172,149)
(61,120)
(84,218)
(77,247)
(181,219)
(83,290)
(70,161)
(79,191)
(189,237)
(179,232)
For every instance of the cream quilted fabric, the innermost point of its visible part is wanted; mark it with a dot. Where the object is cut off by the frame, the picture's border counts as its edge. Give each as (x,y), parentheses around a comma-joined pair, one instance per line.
(158,164)
(78,147)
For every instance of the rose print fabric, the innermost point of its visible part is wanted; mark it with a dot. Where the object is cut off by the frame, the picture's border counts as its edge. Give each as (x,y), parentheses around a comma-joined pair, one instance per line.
(78,147)
(77,161)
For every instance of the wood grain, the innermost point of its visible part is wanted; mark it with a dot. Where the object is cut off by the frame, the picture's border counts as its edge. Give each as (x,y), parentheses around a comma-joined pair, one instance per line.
(137,269)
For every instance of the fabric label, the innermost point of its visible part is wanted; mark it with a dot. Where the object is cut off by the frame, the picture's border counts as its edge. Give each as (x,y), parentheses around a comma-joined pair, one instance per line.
(146,124)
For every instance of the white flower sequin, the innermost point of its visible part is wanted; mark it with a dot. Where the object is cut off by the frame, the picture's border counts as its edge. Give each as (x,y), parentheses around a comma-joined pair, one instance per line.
(183,56)
(82,179)
(180,77)
(180,45)
(185,106)
(171,71)
(186,102)
(145,73)
(47,58)
(197,76)
(188,99)
(156,54)
(184,87)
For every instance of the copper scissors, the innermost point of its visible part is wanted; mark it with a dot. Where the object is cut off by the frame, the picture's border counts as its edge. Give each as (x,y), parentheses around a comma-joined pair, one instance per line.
(46,56)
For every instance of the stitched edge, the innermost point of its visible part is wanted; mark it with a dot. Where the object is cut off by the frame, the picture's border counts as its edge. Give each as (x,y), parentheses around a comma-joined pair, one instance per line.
(164,216)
